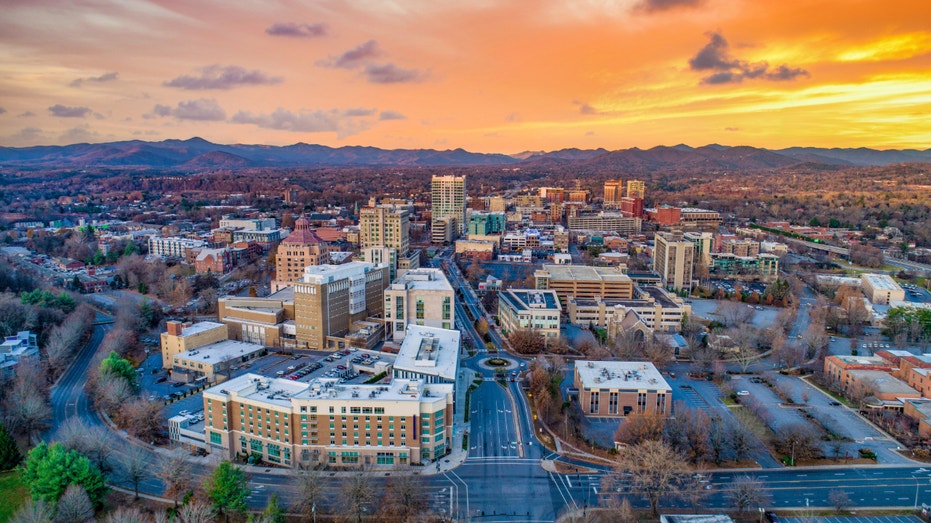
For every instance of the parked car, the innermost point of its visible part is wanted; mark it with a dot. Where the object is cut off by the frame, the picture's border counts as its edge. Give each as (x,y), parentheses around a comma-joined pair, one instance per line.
(743,392)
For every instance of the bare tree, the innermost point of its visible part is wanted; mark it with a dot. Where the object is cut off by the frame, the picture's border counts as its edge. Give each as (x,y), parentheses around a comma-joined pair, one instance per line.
(26,406)
(838,499)
(403,499)
(34,511)
(746,492)
(745,351)
(175,473)
(309,485)
(95,442)
(639,427)
(655,471)
(732,313)
(74,506)
(196,512)
(798,442)
(356,496)
(125,514)
(741,441)
(134,466)
(141,418)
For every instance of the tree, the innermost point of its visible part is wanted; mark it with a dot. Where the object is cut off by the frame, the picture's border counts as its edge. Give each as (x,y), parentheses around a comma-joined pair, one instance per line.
(175,473)
(227,489)
(798,442)
(196,512)
(141,418)
(746,492)
(10,456)
(741,440)
(134,466)
(273,512)
(403,499)
(655,471)
(309,485)
(355,495)
(48,470)
(474,271)
(733,314)
(838,499)
(74,506)
(26,405)
(121,367)
(95,442)
(526,341)
(125,515)
(34,511)
(639,427)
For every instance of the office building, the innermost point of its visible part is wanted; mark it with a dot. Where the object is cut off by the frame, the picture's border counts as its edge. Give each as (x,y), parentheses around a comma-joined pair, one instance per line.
(740,247)
(214,362)
(529,309)
(175,247)
(385,226)
(330,298)
(636,189)
(180,337)
(621,388)
(448,199)
(631,207)
(251,224)
(604,221)
(268,321)
(428,354)
(613,190)
(703,242)
(578,281)
(881,289)
(699,218)
(419,297)
(762,266)
(674,260)
(659,310)
(443,230)
(296,424)
(486,223)
(299,250)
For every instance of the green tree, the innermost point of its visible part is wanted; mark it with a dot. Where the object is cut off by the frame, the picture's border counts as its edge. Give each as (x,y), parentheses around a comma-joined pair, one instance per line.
(130,249)
(273,512)
(117,366)
(10,455)
(227,489)
(48,470)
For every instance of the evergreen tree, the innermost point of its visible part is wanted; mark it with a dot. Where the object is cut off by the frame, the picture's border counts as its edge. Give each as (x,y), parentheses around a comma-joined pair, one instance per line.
(273,512)
(10,456)
(227,489)
(48,470)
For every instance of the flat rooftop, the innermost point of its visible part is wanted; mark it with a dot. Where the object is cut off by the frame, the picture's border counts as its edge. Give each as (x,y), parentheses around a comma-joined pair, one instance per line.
(584,273)
(531,300)
(863,360)
(320,274)
(622,375)
(882,282)
(882,382)
(220,351)
(430,350)
(199,327)
(423,279)
(281,392)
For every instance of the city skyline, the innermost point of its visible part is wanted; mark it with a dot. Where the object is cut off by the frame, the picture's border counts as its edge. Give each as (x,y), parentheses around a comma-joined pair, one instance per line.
(485,76)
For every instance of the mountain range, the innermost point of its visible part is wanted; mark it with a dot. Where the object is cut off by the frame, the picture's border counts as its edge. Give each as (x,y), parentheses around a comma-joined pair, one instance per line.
(197,154)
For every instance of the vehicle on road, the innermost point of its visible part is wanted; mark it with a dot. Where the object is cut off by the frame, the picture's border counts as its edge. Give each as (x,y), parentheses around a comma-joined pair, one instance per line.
(743,392)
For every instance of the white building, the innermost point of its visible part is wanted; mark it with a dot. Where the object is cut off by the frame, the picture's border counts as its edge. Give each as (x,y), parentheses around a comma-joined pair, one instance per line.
(419,297)
(429,354)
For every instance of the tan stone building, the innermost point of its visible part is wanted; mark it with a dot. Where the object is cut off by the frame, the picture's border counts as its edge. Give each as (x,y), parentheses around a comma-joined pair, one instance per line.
(882,289)
(621,388)
(293,424)
(578,281)
(330,298)
(181,337)
(674,260)
(419,297)
(300,249)
(268,321)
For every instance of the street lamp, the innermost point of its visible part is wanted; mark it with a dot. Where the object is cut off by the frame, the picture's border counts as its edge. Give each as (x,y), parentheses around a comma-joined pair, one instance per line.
(761,514)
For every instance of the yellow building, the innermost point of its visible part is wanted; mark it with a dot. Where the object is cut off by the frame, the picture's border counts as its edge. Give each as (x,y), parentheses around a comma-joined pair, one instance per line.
(301,248)
(579,281)
(186,337)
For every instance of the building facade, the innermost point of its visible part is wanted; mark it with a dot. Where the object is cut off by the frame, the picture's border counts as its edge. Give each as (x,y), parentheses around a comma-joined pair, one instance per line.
(181,337)
(429,354)
(299,250)
(578,281)
(621,388)
(448,199)
(529,309)
(674,260)
(419,297)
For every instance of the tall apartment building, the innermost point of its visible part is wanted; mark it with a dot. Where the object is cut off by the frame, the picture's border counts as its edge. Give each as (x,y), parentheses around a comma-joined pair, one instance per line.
(300,249)
(741,247)
(613,190)
(419,297)
(635,189)
(448,199)
(330,298)
(674,260)
(297,424)
(578,281)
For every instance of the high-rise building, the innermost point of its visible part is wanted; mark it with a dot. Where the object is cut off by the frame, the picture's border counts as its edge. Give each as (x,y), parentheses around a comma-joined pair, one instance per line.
(674,260)
(419,297)
(300,249)
(635,189)
(330,298)
(448,199)
(613,190)
(631,207)
(384,234)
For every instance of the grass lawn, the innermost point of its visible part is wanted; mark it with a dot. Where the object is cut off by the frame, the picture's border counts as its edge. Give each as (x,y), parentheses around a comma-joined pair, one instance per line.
(12,494)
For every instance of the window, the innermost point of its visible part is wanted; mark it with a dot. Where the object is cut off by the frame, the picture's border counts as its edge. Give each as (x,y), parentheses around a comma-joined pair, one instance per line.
(350,458)
(255,445)
(420,309)
(385,458)
(399,308)
(593,405)
(641,401)
(612,402)
(446,308)
(216,438)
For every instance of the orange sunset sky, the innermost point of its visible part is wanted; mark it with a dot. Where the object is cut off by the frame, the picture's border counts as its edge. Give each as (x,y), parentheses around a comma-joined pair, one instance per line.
(484,75)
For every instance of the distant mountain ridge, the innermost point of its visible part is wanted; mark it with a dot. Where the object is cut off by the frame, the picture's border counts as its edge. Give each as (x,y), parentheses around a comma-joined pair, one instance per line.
(197,154)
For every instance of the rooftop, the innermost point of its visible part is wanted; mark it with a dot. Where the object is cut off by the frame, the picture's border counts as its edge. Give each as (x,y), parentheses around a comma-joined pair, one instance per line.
(883,382)
(199,327)
(430,350)
(584,273)
(882,282)
(529,299)
(220,351)
(423,279)
(320,274)
(620,375)
(281,392)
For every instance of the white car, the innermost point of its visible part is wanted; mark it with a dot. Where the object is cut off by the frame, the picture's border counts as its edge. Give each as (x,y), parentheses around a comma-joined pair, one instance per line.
(743,392)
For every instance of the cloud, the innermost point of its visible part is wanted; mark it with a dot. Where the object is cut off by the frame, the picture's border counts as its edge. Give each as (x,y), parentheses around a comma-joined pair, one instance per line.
(297,30)
(2,110)
(585,108)
(391,115)
(652,6)
(78,135)
(715,57)
(392,74)
(222,77)
(359,112)
(203,109)
(27,114)
(732,129)
(63,111)
(303,121)
(353,58)
(513,117)
(106,77)
(27,135)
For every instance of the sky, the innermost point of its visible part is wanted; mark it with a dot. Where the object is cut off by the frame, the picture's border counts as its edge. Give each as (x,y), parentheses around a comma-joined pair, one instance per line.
(483,75)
